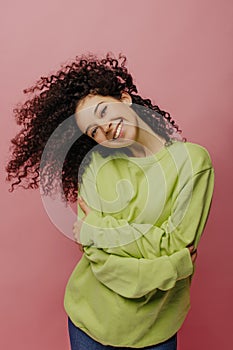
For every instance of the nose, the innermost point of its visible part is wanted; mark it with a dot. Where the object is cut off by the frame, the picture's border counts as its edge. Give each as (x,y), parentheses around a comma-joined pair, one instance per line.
(107,128)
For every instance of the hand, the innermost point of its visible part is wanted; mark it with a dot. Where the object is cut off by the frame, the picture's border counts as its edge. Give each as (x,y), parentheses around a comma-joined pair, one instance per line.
(193,252)
(83,206)
(76,229)
(78,224)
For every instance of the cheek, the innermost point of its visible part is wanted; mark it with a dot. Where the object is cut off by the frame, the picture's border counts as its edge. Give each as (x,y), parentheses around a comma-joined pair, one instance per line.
(98,140)
(99,137)
(130,131)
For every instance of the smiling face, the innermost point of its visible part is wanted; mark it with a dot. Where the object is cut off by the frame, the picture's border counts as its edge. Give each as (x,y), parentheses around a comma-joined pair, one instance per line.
(110,122)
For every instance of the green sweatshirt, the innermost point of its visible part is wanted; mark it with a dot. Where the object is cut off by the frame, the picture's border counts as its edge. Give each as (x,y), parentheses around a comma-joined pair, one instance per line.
(131,287)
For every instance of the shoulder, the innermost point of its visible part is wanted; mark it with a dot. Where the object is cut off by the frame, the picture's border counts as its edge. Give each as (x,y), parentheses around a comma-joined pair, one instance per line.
(200,156)
(197,154)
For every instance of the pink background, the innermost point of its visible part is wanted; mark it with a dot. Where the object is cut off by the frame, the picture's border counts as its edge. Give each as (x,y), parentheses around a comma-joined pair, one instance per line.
(181,55)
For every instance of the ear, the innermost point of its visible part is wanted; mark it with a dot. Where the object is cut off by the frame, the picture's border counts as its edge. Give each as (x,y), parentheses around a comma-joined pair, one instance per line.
(126,98)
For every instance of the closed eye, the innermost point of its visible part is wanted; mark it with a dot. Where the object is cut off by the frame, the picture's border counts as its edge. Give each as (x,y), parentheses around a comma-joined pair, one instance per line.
(94,131)
(96,128)
(102,115)
(103,111)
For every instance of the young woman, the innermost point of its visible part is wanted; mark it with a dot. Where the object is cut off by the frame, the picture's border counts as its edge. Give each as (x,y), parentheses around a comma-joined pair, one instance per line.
(144,199)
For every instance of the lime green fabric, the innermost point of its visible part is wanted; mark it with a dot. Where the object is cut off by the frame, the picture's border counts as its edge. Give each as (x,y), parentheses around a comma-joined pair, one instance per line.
(132,285)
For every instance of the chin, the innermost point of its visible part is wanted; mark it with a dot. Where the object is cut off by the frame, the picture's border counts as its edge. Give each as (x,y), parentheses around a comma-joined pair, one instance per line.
(121,143)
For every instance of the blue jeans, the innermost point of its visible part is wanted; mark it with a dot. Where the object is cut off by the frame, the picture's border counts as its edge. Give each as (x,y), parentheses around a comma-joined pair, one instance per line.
(81,341)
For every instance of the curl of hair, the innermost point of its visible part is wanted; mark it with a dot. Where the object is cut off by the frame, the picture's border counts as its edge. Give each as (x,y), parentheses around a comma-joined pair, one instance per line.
(52,100)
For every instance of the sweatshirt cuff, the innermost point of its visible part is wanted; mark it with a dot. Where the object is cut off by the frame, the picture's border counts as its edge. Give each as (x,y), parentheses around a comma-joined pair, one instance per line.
(182,262)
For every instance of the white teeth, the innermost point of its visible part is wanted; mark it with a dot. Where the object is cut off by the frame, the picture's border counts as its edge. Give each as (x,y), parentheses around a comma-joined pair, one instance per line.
(117,133)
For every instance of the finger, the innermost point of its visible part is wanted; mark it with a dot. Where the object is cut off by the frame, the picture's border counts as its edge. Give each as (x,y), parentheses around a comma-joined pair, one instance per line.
(194,257)
(76,227)
(191,248)
(81,201)
(82,205)
(80,247)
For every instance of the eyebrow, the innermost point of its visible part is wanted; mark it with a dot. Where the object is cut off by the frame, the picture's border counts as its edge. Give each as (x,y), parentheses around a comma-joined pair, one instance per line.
(95,110)
(96,107)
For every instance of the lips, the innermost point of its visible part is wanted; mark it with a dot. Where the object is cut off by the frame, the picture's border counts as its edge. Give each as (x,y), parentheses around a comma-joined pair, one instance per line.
(118,130)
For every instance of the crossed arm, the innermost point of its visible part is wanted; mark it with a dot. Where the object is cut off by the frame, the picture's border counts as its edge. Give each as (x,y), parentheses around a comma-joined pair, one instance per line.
(182,228)
(156,257)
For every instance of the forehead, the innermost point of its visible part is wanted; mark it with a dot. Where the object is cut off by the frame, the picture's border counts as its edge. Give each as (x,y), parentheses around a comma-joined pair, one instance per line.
(85,110)
(90,101)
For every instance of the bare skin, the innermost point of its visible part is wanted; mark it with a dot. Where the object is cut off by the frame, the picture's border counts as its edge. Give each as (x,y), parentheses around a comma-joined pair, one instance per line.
(101,123)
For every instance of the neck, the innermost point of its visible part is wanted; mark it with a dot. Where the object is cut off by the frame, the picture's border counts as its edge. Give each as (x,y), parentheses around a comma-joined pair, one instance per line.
(147,141)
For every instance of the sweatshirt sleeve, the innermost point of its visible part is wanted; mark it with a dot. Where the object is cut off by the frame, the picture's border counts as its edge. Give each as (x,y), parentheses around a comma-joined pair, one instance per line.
(184,226)
(134,278)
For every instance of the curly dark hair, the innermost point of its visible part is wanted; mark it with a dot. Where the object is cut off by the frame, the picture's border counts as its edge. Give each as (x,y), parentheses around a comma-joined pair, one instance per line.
(52,101)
